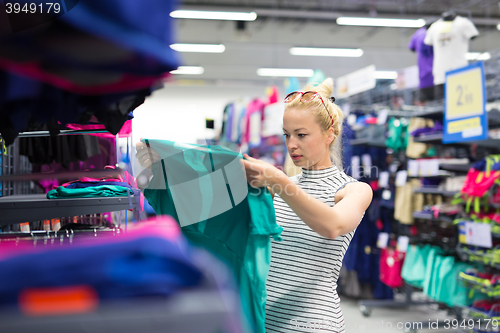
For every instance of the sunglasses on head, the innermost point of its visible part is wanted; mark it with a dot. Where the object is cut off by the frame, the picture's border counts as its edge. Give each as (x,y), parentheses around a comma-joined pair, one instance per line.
(308,96)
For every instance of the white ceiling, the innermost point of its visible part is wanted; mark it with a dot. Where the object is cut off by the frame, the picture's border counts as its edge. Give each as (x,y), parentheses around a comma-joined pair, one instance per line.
(282,24)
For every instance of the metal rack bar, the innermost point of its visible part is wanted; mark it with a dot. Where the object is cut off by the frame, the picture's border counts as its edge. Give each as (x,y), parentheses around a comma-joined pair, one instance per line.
(63,175)
(438,139)
(34,134)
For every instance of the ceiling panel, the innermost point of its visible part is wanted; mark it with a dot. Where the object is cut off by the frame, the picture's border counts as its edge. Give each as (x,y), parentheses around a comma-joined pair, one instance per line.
(266,41)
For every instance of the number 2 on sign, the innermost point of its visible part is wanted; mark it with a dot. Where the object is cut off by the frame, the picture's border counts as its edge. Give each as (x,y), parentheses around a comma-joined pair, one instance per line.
(468,97)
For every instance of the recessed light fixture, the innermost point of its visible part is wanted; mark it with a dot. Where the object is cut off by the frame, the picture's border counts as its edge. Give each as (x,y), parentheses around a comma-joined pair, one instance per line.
(498,26)
(381,22)
(285,72)
(199,48)
(386,75)
(188,70)
(326,52)
(214,15)
(477,56)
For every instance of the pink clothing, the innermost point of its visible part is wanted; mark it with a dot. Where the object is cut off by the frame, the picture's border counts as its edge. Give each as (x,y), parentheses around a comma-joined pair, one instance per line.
(164,226)
(391,263)
(125,178)
(125,131)
(254,106)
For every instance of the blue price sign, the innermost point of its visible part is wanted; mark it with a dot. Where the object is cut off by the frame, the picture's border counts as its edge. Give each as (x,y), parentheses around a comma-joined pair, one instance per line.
(465,105)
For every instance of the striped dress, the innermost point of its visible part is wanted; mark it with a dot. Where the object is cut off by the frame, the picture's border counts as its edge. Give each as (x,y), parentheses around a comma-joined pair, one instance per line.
(302,282)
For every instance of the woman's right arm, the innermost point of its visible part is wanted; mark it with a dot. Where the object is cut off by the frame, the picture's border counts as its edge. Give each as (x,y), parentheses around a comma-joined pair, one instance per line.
(146,155)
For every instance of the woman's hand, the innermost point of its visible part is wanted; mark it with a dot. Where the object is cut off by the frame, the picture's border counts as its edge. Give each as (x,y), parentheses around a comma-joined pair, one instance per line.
(260,173)
(146,155)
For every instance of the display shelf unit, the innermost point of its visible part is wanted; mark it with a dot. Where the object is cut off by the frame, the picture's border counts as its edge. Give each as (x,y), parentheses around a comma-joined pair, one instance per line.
(187,311)
(435,190)
(36,207)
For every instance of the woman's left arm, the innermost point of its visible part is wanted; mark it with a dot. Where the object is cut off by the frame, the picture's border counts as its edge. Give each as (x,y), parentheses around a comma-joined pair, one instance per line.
(331,222)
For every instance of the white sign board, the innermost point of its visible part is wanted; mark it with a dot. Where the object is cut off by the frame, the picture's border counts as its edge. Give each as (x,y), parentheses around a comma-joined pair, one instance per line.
(273,119)
(356,82)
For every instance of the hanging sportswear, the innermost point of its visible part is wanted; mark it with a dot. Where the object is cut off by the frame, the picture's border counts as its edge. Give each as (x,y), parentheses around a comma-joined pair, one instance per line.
(305,266)
(450,40)
(425,57)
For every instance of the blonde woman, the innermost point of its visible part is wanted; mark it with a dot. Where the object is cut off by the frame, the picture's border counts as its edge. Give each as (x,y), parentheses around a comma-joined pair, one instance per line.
(319,210)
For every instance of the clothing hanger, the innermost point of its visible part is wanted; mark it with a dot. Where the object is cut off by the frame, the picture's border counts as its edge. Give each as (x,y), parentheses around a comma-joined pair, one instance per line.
(449,15)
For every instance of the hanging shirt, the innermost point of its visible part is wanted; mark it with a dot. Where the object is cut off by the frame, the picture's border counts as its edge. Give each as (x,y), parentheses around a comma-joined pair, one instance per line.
(253,123)
(302,283)
(425,57)
(450,40)
(204,188)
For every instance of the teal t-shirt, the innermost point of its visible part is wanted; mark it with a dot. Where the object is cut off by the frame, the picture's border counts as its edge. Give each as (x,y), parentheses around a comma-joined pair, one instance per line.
(413,271)
(89,192)
(205,189)
(430,269)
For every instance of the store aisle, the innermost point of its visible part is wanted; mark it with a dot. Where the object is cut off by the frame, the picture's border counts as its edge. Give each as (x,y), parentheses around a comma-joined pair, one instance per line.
(381,319)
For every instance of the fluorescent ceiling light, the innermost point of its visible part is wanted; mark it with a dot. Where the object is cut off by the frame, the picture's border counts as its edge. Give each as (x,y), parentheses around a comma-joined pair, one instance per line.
(498,26)
(188,70)
(386,75)
(201,48)
(213,15)
(381,22)
(287,72)
(478,56)
(326,52)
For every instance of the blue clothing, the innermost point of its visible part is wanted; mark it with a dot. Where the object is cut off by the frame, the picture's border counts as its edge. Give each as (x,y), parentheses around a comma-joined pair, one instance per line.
(142,267)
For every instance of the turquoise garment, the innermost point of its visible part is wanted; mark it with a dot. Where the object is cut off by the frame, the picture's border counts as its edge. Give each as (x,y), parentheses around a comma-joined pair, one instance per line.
(397,138)
(413,271)
(204,188)
(89,192)
(444,280)
(430,265)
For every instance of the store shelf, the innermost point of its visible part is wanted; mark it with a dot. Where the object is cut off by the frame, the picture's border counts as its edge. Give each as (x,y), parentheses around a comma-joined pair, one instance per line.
(438,139)
(357,142)
(423,215)
(441,173)
(435,190)
(430,112)
(431,138)
(189,312)
(429,216)
(455,167)
(36,207)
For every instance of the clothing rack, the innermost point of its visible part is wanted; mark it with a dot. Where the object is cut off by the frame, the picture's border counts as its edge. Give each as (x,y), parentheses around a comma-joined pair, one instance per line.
(434,111)
(63,175)
(33,134)
(36,207)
